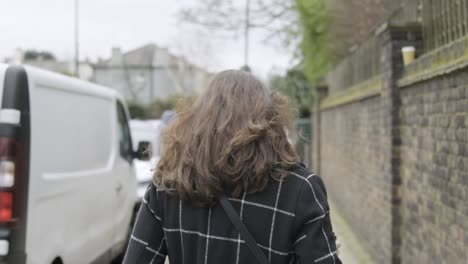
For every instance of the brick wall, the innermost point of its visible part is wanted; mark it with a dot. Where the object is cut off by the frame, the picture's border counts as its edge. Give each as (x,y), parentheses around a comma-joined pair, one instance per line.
(351,164)
(434,170)
(396,162)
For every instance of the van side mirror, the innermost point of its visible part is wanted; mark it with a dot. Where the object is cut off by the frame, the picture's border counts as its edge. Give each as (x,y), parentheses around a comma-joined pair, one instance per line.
(144,150)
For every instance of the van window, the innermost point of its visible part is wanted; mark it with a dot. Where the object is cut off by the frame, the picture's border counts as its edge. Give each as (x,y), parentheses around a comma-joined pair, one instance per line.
(125,141)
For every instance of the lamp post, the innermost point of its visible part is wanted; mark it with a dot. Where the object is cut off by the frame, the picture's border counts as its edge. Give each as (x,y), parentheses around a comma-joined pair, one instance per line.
(246,36)
(77,43)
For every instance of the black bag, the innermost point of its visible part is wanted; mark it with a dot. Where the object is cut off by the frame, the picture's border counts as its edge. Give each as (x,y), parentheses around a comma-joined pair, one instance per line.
(236,221)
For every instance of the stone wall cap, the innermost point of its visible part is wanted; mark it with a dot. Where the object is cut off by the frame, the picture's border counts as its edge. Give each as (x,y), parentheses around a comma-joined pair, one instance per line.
(398,27)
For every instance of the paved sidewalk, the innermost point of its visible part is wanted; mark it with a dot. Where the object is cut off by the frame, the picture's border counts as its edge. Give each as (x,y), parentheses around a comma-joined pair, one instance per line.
(352,250)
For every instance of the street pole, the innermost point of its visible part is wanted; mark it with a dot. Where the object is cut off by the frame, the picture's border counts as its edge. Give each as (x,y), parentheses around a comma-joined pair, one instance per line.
(77,43)
(246,37)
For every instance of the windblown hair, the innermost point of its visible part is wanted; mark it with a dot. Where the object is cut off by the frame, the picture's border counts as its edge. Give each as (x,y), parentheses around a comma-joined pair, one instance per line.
(232,138)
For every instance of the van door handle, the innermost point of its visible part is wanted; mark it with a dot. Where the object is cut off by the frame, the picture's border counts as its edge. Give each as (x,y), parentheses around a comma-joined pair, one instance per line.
(118,188)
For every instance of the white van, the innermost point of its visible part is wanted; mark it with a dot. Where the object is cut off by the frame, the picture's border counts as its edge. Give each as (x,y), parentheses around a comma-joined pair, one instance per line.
(67,182)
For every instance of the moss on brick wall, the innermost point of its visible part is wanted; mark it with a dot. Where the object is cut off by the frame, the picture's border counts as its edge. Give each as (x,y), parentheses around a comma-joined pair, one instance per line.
(437,63)
(355,93)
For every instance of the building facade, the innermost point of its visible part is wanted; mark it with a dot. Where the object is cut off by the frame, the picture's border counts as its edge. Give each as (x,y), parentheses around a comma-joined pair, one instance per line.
(148,73)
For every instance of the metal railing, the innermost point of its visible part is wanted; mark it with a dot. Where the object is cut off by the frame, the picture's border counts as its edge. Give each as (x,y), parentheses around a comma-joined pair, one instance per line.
(444,21)
(360,65)
(409,12)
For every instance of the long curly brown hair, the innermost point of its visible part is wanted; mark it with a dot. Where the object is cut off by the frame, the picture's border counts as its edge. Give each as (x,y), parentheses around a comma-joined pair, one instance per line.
(232,138)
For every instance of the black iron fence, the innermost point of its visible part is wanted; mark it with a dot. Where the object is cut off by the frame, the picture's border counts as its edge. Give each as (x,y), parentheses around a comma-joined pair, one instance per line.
(362,64)
(444,21)
(409,12)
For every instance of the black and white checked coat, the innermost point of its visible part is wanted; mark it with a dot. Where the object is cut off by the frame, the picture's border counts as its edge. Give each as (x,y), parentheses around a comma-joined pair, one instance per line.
(289,220)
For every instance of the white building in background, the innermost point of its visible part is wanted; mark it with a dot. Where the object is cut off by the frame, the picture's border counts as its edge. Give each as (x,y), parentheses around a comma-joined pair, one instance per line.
(52,64)
(149,72)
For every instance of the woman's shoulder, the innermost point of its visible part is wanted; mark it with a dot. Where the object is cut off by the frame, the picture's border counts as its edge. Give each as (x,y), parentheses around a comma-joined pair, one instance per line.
(301,171)
(302,177)
(300,174)
(156,193)
(160,190)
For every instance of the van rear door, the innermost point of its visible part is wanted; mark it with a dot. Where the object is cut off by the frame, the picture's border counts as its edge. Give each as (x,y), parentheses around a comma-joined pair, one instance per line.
(14,162)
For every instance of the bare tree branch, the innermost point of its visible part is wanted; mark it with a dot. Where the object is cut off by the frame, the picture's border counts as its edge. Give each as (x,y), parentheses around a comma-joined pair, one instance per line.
(274,16)
(352,20)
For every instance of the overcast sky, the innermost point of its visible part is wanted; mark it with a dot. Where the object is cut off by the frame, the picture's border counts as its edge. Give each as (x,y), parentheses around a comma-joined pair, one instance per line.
(48,25)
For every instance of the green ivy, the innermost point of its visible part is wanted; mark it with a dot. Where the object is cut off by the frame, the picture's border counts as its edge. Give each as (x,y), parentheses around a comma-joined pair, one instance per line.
(156,108)
(295,85)
(314,19)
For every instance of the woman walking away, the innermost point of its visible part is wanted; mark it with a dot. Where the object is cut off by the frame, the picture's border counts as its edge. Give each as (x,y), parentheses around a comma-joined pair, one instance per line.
(229,187)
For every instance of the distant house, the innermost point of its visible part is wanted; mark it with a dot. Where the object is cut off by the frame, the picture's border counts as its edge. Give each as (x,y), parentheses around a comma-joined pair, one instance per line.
(149,72)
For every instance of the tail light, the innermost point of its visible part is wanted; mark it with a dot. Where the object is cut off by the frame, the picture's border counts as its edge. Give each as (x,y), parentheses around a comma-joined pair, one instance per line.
(8,180)
(6,207)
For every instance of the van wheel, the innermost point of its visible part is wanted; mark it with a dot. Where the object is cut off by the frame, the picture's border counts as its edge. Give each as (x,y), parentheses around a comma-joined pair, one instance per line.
(57,260)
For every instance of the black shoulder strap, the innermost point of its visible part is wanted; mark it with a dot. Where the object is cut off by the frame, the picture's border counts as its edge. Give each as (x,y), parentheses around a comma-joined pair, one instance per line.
(236,221)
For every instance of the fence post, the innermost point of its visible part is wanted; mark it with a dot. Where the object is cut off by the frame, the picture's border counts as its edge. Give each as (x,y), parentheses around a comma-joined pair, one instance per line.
(393,39)
(321,91)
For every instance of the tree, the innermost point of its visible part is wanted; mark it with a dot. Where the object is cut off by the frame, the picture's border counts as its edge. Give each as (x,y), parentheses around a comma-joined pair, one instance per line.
(294,84)
(349,30)
(155,109)
(300,25)
(278,17)
(316,55)
(137,111)
(38,55)
(331,28)
(195,43)
(158,106)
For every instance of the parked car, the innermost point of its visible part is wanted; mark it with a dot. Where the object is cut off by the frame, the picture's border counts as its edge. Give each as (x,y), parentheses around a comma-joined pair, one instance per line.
(146,135)
(67,177)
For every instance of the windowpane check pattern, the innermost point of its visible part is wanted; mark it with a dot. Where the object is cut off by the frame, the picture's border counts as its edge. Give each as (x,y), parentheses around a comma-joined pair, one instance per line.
(289,220)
